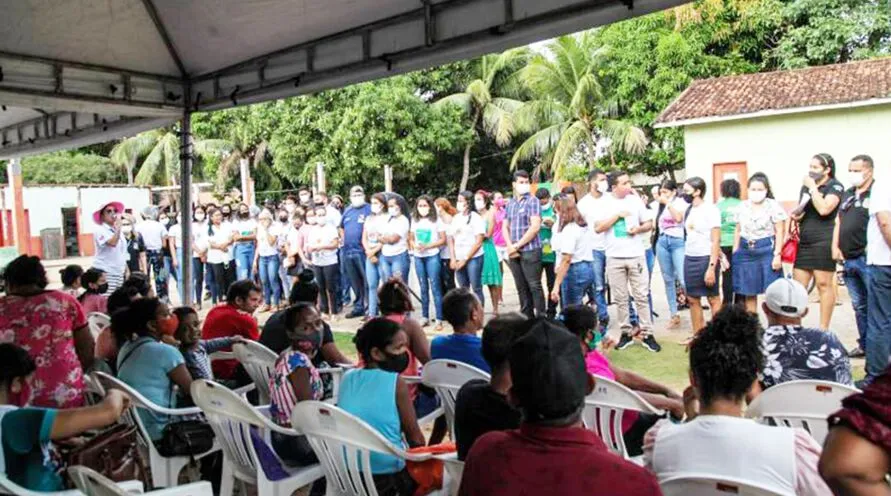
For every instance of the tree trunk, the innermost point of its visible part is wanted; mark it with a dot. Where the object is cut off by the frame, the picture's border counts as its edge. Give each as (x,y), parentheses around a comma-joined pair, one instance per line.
(130,167)
(465,174)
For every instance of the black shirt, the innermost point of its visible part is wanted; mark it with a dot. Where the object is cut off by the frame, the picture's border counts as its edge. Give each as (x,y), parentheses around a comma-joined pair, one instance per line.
(853,216)
(478,410)
(815,228)
(275,337)
(135,246)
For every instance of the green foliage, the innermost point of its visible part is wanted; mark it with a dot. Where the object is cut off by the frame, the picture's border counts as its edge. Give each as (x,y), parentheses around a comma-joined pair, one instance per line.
(70,167)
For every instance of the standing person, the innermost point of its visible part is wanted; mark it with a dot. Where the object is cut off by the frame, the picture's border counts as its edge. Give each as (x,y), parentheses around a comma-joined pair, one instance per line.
(305,197)
(728,206)
(155,236)
(670,244)
(758,242)
(623,218)
(175,242)
(199,252)
(491,276)
(321,246)
(245,229)
(446,212)
(548,253)
(849,243)
(819,200)
(394,237)
(520,230)
(283,220)
(331,211)
(266,261)
(219,237)
(233,318)
(352,252)
(136,261)
(575,271)
(372,244)
(878,306)
(589,206)
(702,252)
(110,248)
(646,239)
(426,238)
(466,235)
(498,205)
(166,220)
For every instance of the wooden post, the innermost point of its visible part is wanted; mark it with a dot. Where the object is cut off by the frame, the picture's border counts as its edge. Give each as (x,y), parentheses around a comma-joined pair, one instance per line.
(320,177)
(246,193)
(388,178)
(19,234)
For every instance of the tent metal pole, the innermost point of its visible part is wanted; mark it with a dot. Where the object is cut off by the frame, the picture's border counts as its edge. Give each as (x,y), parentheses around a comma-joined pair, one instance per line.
(185,208)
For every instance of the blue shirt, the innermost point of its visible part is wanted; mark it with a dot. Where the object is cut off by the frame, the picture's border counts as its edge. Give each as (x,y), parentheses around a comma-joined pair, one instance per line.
(520,213)
(370,394)
(465,348)
(145,370)
(352,222)
(25,438)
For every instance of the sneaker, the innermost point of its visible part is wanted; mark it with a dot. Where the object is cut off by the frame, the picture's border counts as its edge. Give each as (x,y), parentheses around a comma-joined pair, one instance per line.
(625,341)
(355,315)
(857,352)
(650,343)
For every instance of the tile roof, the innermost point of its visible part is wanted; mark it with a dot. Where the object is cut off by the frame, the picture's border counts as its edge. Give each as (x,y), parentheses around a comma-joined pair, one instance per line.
(779,90)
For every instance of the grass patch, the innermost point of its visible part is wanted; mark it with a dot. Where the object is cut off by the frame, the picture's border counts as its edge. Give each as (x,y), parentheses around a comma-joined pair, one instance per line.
(670,366)
(344,342)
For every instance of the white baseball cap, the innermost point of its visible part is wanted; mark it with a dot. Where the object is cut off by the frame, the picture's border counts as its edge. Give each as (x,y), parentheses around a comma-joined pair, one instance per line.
(786,297)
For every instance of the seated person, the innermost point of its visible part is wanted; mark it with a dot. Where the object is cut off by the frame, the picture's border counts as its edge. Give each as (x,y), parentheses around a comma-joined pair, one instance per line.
(551,452)
(145,363)
(378,395)
(794,352)
(95,285)
(482,406)
(582,321)
(26,432)
(70,276)
(106,347)
(196,351)
(725,361)
(141,282)
(234,318)
(295,379)
(463,311)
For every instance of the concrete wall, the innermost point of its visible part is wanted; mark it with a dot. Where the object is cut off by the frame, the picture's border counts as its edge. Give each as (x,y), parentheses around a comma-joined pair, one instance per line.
(45,204)
(782,146)
(91,199)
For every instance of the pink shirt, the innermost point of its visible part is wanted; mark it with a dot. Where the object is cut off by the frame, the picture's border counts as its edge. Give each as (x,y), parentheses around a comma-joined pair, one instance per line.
(498,234)
(44,325)
(94,303)
(597,364)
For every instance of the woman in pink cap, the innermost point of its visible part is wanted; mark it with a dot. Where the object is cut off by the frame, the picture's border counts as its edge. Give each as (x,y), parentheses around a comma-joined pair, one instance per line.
(110,247)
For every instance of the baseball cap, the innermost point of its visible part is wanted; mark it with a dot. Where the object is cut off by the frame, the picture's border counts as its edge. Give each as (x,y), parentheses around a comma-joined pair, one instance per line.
(548,371)
(357,190)
(786,297)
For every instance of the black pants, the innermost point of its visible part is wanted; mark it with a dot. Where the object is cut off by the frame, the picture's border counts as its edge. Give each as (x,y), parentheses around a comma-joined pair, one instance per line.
(526,270)
(634,436)
(446,275)
(294,451)
(328,278)
(155,268)
(223,277)
(550,279)
(198,279)
(727,278)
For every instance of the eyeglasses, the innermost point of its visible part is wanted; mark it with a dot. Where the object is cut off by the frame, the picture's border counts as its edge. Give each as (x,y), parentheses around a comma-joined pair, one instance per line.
(110,211)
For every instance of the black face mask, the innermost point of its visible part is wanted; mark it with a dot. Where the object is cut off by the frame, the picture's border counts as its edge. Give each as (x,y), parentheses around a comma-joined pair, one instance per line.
(102,289)
(687,197)
(395,363)
(243,215)
(283,218)
(308,345)
(226,214)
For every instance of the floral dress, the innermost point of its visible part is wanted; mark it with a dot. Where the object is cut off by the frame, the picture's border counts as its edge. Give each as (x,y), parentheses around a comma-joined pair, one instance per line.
(281,393)
(44,325)
(797,353)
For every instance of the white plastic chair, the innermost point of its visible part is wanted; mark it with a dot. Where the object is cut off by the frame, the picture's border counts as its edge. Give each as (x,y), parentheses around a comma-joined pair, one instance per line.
(97,322)
(447,377)
(9,487)
(453,471)
(805,404)
(222,355)
(704,485)
(604,409)
(165,470)
(232,419)
(259,362)
(344,445)
(95,484)
(93,390)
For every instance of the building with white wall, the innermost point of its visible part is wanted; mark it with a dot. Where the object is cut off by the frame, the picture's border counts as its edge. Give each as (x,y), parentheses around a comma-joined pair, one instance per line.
(775,122)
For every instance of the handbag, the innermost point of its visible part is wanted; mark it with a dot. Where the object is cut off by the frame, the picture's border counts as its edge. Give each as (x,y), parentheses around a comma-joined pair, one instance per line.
(186,438)
(113,452)
(790,247)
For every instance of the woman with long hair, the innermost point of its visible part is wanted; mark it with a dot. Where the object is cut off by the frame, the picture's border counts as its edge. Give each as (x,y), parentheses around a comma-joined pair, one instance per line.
(220,237)
(702,252)
(467,233)
(670,244)
(426,237)
(575,262)
(446,213)
(492,276)
(266,261)
(372,244)
(395,259)
(322,248)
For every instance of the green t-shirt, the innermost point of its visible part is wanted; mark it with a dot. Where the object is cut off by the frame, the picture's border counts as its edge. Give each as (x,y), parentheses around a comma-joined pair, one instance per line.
(728,207)
(545,233)
(25,435)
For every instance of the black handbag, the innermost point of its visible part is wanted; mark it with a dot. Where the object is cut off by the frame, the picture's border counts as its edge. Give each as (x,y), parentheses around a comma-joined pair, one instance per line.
(186,438)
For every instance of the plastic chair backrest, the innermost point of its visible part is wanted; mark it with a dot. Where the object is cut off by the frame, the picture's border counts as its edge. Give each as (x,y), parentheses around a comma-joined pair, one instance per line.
(806,404)
(343,444)
(9,487)
(447,377)
(703,485)
(604,409)
(454,471)
(259,362)
(97,322)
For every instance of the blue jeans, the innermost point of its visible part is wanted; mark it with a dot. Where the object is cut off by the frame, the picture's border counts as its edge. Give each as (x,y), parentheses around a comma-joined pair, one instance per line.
(670,253)
(471,276)
(651,261)
(428,277)
(373,280)
(857,281)
(395,266)
(284,277)
(878,333)
(579,278)
(354,266)
(244,260)
(272,290)
(597,292)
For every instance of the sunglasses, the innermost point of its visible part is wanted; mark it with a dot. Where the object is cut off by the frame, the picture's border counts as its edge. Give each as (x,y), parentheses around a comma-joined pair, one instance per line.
(110,211)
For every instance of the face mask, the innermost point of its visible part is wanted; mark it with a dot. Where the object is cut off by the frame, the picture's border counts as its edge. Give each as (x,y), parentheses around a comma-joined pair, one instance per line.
(127,229)
(757,196)
(461,208)
(393,211)
(816,176)
(546,205)
(480,204)
(395,363)
(423,211)
(523,189)
(168,326)
(376,208)
(164,220)
(687,197)
(226,214)
(308,345)
(602,186)
(499,202)
(290,207)
(102,288)
(283,218)
(357,201)
(244,215)
(304,199)
(199,217)
(857,179)
(311,221)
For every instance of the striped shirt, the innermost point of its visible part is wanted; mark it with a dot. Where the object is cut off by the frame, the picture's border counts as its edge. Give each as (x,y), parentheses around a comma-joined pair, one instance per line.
(281,393)
(198,360)
(519,214)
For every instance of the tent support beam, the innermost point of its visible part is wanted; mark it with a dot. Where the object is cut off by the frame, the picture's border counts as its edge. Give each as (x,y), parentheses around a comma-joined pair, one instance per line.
(185,206)
(162,31)
(161,78)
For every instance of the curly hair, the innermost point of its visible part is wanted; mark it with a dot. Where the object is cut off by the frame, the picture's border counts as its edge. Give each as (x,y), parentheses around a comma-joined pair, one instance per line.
(727,355)
(376,333)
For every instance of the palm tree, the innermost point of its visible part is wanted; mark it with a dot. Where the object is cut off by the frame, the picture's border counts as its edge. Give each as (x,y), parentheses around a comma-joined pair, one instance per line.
(496,74)
(160,153)
(571,112)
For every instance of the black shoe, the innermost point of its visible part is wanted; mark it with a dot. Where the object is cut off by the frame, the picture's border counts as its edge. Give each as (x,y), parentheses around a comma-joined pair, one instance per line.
(625,341)
(355,315)
(650,343)
(857,352)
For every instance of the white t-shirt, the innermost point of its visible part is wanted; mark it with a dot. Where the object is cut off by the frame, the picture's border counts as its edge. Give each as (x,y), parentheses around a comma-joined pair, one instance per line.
(877,250)
(427,232)
(620,244)
(219,234)
(333,216)
(699,224)
(372,229)
(667,224)
(321,236)
(199,231)
(263,246)
(590,207)
(110,259)
(153,234)
(244,228)
(444,252)
(576,240)
(464,232)
(395,225)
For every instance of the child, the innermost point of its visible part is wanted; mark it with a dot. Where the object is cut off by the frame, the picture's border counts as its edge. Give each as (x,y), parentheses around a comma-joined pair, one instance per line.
(196,351)
(26,433)
(465,313)
(70,276)
(96,285)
